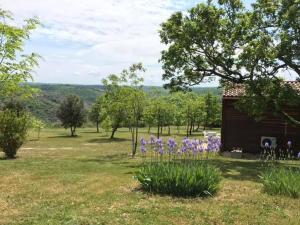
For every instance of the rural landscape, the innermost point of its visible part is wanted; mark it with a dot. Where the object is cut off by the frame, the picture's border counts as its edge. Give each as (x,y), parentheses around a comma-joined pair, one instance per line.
(189,115)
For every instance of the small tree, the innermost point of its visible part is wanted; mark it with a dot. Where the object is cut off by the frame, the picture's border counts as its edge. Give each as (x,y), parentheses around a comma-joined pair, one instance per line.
(38,125)
(13,130)
(71,113)
(96,115)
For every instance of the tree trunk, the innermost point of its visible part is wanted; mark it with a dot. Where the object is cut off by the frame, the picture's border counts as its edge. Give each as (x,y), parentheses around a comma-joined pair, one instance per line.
(187,130)
(198,127)
(97,125)
(149,129)
(72,131)
(113,132)
(39,132)
(132,131)
(169,130)
(136,138)
(158,130)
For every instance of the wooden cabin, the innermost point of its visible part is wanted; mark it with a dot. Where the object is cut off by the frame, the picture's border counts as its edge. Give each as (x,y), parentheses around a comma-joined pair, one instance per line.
(239,131)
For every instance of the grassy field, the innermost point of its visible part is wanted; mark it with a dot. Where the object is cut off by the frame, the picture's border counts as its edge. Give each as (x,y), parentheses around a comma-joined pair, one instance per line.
(89,180)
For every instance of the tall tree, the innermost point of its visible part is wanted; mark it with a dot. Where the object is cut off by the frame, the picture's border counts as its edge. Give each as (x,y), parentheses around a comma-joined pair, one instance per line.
(126,100)
(15,67)
(71,113)
(239,45)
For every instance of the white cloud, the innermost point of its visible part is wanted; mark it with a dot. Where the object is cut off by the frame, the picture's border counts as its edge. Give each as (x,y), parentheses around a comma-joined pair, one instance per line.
(83,41)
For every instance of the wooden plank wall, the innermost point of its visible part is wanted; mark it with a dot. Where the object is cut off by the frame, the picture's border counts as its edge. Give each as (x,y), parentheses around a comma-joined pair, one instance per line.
(240,131)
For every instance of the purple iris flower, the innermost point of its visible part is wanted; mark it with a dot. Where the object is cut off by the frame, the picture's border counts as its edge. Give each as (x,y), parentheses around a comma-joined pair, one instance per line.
(152,140)
(143,145)
(160,145)
(213,144)
(172,145)
(195,144)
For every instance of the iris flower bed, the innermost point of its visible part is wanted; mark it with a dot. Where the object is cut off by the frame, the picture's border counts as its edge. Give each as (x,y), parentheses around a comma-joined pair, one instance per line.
(282,181)
(159,149)
(179,170)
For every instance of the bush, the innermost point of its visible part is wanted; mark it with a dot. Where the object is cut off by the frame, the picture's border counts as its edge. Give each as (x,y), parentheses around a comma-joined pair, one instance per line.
(13,129)
(282,181)
(180,179)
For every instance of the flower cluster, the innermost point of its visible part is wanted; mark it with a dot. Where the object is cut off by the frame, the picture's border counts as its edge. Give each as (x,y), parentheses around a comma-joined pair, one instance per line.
(191,147)
(143,145)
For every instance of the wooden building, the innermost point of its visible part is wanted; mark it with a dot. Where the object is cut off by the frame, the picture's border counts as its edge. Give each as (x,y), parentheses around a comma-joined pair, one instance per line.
(241,132)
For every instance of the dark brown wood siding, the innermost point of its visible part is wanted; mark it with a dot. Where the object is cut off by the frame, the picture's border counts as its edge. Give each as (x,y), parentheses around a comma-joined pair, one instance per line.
(240,131)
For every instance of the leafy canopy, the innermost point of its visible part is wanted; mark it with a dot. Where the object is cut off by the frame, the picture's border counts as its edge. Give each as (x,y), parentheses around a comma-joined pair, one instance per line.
(225,39)
(15,67)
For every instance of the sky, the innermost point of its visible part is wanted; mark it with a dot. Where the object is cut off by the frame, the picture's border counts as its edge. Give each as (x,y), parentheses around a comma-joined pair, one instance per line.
(83,41)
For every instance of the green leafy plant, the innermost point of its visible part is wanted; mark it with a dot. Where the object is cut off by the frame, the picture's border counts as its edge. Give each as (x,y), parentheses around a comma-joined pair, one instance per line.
(180,179)
(13,130)
(281,181)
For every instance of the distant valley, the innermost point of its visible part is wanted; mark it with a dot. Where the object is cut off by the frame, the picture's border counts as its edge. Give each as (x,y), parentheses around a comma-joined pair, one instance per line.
(45,104)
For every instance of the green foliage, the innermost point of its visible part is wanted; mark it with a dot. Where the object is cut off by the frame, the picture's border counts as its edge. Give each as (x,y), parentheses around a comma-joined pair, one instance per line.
(239,45)
(72,113)
(106,124)
(282,181)
(180,179)
(212,110)
(37,125)
(97,114)
(264,95)
(45,104)
(15,67)
(13,130)
(124,100)
(180,109)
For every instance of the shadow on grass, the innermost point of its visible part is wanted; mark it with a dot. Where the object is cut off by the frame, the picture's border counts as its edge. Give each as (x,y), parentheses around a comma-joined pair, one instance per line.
(4,158)
(90,132)
(65,136)
(108,159)
(239,169)
(107,140)
(193,135)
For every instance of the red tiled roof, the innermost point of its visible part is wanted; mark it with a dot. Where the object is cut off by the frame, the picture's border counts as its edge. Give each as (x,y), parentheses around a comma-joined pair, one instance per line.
(239,89)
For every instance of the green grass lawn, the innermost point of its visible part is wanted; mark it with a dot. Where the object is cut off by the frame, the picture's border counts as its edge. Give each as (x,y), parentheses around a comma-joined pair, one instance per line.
(89,180)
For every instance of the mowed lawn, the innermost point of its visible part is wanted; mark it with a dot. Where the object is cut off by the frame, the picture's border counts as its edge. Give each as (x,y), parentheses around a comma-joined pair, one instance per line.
(89,180)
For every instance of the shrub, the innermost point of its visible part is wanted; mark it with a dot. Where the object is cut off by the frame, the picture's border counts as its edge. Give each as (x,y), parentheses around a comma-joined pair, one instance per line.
(13,129)
(282,181)
(180,179)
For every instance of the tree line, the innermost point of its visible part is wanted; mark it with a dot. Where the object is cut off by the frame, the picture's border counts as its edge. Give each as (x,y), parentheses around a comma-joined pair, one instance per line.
(126,104)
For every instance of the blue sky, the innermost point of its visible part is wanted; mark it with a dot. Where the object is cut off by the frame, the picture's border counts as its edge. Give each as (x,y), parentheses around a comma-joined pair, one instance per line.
(82,42)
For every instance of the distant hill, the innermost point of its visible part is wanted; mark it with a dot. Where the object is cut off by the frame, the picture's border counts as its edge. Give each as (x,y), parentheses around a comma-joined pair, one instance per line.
(45,105)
